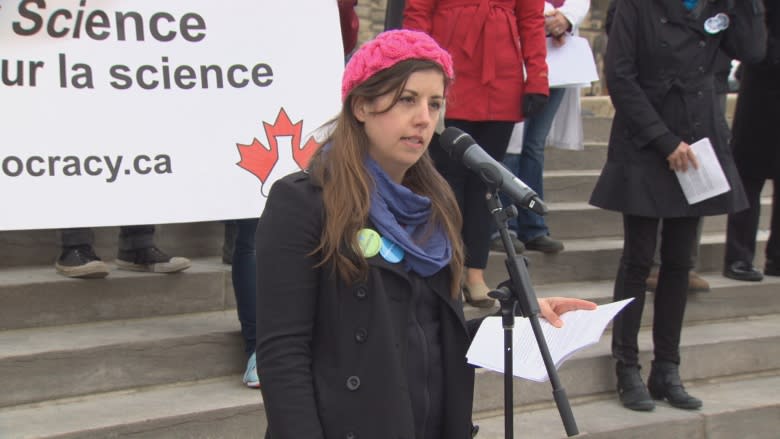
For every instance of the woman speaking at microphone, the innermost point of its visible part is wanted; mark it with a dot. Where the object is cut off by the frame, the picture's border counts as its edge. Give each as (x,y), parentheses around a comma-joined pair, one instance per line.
(361,332)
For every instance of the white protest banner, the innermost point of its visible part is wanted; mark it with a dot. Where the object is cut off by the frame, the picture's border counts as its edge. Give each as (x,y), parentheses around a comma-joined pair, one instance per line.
(119,112)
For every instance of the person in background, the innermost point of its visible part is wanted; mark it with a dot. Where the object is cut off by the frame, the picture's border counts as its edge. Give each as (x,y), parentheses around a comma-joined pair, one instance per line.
(244,273)
(137,252)
(531,232)
(696,283)
(659,65)
(361,331)
(491,42)
(757,153)
(350,25)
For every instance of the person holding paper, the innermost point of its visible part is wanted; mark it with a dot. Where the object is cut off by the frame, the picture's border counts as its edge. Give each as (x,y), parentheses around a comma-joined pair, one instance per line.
(561,21)
(360,326)
(756,146)
(491,42)
(659,66)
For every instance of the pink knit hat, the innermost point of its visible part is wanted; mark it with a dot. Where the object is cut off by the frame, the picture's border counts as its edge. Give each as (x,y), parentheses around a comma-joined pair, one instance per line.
(386,50)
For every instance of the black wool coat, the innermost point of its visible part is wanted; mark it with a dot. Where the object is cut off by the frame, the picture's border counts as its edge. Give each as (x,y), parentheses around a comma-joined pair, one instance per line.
(659,69)
(756,138)
(332,357)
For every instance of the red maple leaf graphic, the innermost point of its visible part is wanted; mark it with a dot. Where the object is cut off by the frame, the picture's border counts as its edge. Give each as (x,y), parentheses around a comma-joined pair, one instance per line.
(260,159)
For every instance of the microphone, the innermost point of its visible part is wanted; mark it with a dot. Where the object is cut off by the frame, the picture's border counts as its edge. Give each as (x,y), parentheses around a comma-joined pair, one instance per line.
(462,147)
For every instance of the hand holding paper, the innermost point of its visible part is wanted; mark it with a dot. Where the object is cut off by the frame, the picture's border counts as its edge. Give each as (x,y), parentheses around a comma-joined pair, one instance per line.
(581,328)
(708,180)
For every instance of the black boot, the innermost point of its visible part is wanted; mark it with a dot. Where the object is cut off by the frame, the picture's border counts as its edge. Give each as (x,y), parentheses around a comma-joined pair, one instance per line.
(665,383)
(631,390)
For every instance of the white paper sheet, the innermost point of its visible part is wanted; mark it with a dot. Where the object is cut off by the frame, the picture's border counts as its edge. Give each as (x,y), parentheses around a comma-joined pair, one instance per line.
(580,329)
(707,181)
(572,64)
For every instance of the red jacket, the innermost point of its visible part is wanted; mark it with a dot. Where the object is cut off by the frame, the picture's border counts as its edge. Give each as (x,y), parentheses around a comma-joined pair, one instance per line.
(349,24)
(490,41)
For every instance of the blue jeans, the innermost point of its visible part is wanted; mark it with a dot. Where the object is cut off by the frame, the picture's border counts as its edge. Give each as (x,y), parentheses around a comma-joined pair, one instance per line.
(529,165)
(244,281)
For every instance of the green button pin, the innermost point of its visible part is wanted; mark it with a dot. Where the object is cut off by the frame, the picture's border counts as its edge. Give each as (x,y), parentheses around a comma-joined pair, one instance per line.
(370,242)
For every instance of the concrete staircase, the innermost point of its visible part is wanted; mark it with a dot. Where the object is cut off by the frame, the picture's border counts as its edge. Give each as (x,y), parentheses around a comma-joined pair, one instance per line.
(158,356)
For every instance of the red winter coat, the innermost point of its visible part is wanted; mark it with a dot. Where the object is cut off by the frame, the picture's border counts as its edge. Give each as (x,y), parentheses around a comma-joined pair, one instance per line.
(350,24)
(490,41)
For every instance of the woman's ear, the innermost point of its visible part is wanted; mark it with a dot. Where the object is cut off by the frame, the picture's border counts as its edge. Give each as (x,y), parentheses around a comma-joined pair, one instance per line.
(360,108)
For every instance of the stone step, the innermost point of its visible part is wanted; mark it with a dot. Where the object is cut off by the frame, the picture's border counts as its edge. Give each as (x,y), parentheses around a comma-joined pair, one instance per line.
(122,354)
(597,259)
(207,286)
(580,220)
(738,407)
(728,299)
(222,407)
(50,363)
(37,296)
(707,351)
(217,408)
(591,158)
(565,186)
(596,128)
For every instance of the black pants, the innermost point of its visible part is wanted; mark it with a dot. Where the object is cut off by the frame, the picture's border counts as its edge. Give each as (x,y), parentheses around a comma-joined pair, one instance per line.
(677,239)
(743,225)
(130,237)
(470,190)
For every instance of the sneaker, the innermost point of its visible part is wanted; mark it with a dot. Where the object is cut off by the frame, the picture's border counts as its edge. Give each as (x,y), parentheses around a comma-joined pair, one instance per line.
(544,244)
(81,262)
(250,376)
(497,245)
(151,259)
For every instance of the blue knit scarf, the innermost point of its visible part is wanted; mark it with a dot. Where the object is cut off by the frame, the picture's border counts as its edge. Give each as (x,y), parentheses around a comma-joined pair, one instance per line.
(402,216)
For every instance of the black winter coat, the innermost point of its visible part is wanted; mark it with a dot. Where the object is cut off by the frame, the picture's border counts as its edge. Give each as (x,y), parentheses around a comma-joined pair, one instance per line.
(333,357)
(659,69)
(756,140)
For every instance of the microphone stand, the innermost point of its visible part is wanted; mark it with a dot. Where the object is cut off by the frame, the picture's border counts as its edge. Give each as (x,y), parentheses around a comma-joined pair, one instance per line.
(518,291)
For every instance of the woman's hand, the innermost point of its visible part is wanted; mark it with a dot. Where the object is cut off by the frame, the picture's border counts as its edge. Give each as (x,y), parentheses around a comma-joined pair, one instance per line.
(682,157)
(556,24)
(551,308)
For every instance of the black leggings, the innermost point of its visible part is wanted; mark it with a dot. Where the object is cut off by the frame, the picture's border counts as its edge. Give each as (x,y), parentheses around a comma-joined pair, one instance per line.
(677,239)
(469,188)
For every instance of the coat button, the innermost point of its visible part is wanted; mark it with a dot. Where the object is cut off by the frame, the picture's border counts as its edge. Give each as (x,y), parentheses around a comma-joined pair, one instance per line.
(353,383)
(701,69)
(361,293)
(361,335)
(664,44)
(350,435)
(702,43)
(699,93)
(664,20)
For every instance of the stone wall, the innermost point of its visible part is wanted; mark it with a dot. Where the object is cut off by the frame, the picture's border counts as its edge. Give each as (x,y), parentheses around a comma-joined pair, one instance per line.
(372,19)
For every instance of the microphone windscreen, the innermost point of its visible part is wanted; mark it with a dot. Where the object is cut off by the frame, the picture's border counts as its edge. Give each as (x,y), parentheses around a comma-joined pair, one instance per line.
(455,141)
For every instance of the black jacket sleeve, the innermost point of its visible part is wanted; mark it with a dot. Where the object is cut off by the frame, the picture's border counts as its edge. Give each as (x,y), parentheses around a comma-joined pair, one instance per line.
(288,284)
(746,37)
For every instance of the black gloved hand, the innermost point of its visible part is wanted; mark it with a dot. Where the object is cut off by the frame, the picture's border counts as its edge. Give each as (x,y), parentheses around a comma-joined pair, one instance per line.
(533,103)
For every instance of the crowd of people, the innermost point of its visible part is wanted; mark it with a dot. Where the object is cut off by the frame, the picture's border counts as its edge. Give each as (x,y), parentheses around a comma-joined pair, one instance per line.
(367,291)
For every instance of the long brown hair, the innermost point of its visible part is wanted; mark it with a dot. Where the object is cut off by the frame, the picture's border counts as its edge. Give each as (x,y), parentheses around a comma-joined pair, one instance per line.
(347,185)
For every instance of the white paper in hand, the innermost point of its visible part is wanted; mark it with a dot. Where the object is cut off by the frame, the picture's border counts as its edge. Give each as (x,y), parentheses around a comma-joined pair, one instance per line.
(706,182)
(580,329)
